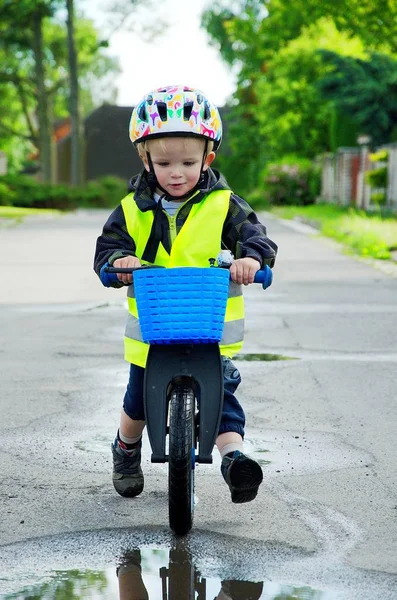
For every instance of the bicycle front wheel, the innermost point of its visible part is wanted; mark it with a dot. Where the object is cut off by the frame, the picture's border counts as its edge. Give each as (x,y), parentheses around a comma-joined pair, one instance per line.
(181,459)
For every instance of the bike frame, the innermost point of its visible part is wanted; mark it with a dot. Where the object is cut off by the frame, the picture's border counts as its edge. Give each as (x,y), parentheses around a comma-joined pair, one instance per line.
(201,364)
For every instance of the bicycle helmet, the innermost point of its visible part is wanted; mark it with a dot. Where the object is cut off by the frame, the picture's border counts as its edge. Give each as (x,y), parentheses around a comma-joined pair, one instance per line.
(175,110)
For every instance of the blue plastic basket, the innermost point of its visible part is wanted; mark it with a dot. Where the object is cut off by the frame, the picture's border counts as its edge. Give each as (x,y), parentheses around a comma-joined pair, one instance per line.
(182,305)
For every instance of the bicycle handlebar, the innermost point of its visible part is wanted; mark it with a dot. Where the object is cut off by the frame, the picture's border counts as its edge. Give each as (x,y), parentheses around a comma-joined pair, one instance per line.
(108,275)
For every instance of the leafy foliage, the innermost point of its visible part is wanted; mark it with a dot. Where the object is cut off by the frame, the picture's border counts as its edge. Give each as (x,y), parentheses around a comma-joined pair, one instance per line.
(96,69)
(294,118)
(20,89)
(67,585)
(271,24)
(366,90)
(377,178)
(23,191)
(378,198)
(281,53)
(240,159)
(293,181)
(379,156)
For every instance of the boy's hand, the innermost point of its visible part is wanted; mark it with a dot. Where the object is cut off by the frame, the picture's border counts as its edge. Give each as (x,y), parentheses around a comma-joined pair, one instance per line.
(243,270)
(127,262)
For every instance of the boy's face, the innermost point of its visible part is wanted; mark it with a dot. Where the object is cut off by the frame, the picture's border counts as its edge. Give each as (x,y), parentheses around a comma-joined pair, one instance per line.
(177,163)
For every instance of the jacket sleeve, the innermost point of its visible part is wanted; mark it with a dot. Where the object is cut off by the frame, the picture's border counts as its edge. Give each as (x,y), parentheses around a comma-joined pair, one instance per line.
(114,242)
(244,235)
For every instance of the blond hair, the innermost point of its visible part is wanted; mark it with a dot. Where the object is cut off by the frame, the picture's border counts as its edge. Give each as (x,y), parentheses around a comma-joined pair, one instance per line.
(143,147)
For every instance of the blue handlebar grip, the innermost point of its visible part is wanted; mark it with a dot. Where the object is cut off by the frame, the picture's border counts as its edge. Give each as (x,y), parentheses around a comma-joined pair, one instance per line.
(265,277)
(107,278)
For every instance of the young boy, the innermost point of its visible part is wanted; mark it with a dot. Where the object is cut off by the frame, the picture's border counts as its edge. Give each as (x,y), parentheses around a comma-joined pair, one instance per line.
(180,212)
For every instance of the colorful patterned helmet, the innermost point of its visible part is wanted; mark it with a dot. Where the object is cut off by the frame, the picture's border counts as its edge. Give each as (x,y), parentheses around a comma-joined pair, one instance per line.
(175,110)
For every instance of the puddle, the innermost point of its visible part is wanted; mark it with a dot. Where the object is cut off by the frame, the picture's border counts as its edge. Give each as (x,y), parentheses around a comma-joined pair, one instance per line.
(263,357)
(143,563)
(157,573)
(318,356)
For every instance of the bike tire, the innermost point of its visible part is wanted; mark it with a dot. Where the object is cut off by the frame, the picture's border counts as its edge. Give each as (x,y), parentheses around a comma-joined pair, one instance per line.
(181,459)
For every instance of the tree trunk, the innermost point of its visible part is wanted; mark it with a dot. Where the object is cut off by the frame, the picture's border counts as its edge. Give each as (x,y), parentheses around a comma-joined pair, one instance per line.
(45,133)
(74,98)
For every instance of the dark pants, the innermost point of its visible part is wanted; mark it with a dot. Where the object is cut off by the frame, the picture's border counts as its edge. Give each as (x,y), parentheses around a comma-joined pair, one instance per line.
(233,418)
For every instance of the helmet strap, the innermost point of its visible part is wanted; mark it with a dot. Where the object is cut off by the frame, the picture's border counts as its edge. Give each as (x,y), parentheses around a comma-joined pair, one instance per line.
(204,155)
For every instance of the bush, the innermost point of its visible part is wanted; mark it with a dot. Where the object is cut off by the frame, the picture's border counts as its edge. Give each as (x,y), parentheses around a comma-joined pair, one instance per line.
(380,156)
(377,178)
(257,199)
(6,195)
(24,191)
(292,182)
(105,192)
(378,198)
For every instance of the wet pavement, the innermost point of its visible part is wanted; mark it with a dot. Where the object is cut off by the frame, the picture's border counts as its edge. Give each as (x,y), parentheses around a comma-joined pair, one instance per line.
(125,564)
(319,389)
(261,357)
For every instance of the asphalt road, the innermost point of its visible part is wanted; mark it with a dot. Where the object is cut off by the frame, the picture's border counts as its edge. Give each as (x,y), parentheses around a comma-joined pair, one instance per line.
(326,420)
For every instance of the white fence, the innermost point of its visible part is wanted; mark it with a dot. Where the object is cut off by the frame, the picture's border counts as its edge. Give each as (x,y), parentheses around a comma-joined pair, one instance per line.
(343,177)
(391,192)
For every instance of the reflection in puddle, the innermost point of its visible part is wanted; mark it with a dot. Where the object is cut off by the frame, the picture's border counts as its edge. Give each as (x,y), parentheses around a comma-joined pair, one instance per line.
(158,573)
(263,357)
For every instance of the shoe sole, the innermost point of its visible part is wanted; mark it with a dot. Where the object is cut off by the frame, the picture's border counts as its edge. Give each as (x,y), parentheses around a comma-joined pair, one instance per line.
(245,478)
(130,491)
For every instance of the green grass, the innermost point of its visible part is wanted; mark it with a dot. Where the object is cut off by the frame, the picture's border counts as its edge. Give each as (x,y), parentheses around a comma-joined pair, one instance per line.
(365,234)
(14,212)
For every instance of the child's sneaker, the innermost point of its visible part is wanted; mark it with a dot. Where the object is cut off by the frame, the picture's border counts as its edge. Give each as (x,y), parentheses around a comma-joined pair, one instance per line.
(243,475)
(127,472)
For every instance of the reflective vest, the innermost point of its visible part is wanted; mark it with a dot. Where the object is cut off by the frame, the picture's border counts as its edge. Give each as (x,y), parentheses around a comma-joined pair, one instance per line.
(198,240)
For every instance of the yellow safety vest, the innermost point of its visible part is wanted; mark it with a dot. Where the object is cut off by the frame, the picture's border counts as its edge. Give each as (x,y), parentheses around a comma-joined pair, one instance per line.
(198,240)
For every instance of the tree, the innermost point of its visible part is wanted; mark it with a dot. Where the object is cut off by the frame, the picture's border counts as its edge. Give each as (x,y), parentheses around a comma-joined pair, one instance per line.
(373,21)
(280,110)
(31,30)
(74,97)
(22,28)
(268,25)
(365,91)
(17,131)
(76,153)
(19,84)
(238,36)
(273,46)
(293,116)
